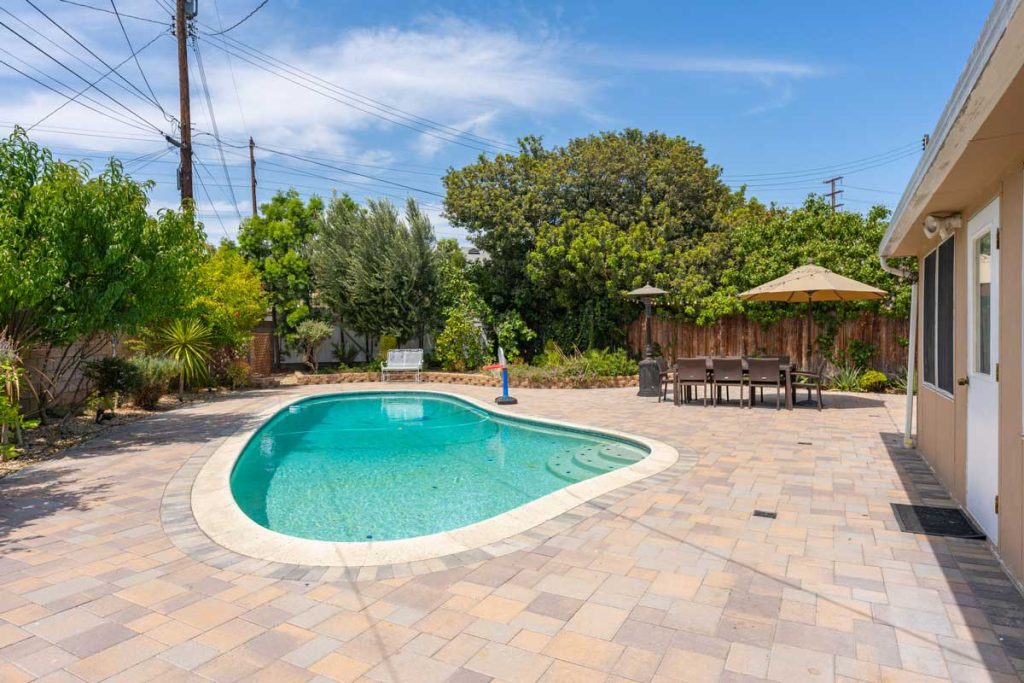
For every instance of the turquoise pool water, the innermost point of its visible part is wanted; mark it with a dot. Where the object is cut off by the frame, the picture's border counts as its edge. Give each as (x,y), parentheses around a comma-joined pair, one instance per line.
(384,466)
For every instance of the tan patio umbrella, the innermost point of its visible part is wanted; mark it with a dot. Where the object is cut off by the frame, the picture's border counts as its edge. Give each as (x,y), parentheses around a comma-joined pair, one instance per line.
(811,283)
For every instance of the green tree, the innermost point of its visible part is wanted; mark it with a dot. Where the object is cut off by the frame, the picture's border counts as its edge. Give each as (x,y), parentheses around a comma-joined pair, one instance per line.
(79,256)
(571,229)
(376,270)
(231,300)
(277,244)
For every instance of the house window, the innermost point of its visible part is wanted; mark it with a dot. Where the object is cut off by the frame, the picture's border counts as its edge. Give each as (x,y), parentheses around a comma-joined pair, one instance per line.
(937,328)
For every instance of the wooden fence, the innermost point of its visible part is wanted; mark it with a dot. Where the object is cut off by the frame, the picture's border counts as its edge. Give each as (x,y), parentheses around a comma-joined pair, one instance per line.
(738,336)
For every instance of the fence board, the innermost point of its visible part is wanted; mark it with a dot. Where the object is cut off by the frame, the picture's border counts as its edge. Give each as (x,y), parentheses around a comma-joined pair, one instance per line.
(738,336)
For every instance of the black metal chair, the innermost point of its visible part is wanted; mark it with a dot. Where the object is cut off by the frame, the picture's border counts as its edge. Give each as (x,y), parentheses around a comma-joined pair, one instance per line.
(809,379)
(765,372)
(690,372)
(726,372)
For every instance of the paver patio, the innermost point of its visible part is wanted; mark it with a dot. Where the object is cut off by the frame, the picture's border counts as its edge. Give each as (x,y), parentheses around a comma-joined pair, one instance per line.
(101,577)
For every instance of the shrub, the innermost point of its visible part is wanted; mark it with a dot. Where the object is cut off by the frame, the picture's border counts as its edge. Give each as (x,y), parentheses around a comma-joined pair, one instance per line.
(187,342)
(111,377)
(388,342)
(845,378)
(898,382)
(311,333)
(873,380)
(238,373)
(860,352)
(460,346)
(154,374)
(513,333)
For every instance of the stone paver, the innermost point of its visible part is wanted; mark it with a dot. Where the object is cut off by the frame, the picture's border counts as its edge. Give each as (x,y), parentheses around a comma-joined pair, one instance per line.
(105,577)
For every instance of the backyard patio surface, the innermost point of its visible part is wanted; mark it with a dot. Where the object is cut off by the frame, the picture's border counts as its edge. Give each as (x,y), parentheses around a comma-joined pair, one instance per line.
(104,577)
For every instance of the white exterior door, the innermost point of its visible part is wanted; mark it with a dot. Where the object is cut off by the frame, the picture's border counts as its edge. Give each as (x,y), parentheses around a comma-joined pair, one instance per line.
(982,368)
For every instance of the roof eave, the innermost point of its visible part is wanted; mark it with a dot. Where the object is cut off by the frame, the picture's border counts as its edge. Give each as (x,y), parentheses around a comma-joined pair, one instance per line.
(903,217)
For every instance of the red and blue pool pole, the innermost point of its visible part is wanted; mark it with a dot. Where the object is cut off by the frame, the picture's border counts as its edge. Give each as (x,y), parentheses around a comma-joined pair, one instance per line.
(504,399)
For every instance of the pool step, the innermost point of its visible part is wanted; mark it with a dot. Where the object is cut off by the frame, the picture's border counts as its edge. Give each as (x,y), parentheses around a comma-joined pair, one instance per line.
(595,462)
(563,466)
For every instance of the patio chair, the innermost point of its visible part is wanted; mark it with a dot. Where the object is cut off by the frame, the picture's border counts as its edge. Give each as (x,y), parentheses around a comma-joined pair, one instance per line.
(726,372)
(784,363)
(765,372)
(690,372)
(809,379)
(665,371)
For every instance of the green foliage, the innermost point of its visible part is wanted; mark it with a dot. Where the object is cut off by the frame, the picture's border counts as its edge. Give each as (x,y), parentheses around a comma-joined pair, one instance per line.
(230,300)
(873,380)
(860,352)
(239,373)
(579,368)
(12,422)
(513,334)
(845,378)
(388,342)
(277,244)
(460,346)
(758,243)
(112,376)
(154,374)
(376,269)
(188,343)
(311,333)
(570,229)
(79,255)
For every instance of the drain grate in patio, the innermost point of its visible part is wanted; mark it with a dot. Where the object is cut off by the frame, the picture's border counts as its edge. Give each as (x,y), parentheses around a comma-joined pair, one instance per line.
(935,521)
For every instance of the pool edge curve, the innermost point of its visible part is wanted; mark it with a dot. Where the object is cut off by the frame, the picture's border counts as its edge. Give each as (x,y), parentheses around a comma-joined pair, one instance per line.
(220,517)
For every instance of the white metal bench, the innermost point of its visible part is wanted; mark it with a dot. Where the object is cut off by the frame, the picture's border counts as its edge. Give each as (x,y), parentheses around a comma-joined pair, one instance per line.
(402,360)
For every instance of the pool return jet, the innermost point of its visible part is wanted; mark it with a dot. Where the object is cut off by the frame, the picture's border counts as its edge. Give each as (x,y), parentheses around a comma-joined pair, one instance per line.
(502,364)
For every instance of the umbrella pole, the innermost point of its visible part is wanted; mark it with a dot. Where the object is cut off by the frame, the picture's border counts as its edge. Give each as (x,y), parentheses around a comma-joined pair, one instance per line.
(810,344)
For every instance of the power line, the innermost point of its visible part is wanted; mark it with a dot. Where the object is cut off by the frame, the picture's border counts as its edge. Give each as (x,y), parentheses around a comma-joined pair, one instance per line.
(231,70)
(109,113)
(93,84)
(96,56)
(903,150)
(398,119)
(103,9)
(213,121)
(202,184)
(847,170)
(409,116)
(242,20)
(82,78)
(135,56)
(89,65)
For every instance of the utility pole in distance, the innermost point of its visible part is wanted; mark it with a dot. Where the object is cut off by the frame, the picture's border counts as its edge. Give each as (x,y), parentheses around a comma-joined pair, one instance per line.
(252,173)
(834,193)
(181,17)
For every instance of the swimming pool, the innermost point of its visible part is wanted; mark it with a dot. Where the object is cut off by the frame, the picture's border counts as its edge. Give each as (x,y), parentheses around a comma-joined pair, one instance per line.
(384,466)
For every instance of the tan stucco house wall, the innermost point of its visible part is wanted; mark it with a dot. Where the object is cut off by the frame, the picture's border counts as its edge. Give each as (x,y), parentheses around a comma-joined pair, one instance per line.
(975,155)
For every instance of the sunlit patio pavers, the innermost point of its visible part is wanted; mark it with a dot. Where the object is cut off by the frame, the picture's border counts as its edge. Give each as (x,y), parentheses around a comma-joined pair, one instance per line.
(104,576)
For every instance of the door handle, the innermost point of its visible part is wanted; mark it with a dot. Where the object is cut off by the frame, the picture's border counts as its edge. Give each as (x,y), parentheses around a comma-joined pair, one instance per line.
(964,381)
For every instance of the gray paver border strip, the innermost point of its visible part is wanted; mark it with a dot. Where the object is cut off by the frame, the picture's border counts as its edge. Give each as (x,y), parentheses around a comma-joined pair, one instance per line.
(186,532)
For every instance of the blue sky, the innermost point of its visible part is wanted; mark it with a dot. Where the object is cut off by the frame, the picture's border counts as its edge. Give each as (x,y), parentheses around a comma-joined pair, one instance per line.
(780,94)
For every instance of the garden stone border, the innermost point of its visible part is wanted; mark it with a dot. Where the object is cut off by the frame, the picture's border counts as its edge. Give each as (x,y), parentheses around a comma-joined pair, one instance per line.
(469,379)
(182,527)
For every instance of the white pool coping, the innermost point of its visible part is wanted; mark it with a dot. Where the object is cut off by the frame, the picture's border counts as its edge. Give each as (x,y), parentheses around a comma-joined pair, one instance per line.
(220,517)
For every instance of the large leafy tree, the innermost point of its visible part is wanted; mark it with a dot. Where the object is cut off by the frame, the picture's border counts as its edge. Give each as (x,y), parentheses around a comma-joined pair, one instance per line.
(277,244)
(230,298)
(79,255)
(376,269)
(569,230)
(758,243)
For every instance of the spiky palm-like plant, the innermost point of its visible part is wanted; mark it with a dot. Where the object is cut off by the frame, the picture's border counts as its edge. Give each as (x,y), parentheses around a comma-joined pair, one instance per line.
(189,343)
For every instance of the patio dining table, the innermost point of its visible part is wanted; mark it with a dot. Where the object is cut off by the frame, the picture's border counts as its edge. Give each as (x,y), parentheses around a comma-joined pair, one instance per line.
(785,368)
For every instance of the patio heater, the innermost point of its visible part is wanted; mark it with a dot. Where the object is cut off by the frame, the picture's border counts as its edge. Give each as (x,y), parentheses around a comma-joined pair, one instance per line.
(650,373)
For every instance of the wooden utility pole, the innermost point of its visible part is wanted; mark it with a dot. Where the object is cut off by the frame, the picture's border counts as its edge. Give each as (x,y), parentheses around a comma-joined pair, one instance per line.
(834,193)
(181,33)
(252,173)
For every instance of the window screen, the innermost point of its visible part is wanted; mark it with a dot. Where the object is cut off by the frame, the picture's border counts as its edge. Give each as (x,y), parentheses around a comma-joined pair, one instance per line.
(937,324)
(944,315)
(928,328)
